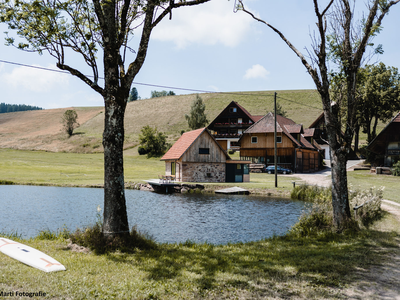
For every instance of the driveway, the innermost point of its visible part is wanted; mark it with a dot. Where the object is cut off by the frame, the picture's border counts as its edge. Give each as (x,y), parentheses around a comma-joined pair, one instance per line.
(323,177)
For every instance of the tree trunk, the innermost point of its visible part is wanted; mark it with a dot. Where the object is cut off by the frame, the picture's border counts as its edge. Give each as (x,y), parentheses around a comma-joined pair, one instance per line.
(356,137)
(115,215)
(340,196)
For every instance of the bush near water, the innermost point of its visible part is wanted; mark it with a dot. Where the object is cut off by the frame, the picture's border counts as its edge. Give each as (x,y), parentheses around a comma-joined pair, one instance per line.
(319,218)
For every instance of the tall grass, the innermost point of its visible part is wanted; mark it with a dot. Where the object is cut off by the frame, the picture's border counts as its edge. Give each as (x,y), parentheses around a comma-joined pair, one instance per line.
(318,220)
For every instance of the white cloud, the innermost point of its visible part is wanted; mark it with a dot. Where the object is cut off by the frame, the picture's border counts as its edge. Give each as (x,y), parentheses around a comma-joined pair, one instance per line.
(256,71)
(35,80)
(210,23)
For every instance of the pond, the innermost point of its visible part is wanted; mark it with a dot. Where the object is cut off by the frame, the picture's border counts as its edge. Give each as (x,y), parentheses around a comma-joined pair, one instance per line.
(216,219)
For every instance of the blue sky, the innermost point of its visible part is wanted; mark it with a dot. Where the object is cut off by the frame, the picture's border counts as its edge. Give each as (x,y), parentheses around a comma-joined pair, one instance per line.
(206,47)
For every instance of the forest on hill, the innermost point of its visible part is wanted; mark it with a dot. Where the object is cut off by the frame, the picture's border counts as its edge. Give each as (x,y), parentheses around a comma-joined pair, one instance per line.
(7,108)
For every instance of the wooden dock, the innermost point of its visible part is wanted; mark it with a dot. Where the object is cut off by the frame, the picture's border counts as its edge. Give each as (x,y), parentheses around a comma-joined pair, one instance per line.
(233,191)
(162,186)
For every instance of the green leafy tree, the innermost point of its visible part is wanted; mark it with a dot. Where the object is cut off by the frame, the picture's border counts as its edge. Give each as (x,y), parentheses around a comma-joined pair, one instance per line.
(152,142)
(155,94)
(100,32)
(69,121)
(197,117)
(380,97)
(337,41)
(133,95)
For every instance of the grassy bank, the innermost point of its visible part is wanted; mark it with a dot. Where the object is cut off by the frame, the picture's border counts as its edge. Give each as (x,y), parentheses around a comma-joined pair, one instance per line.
(281,267)
(75,169)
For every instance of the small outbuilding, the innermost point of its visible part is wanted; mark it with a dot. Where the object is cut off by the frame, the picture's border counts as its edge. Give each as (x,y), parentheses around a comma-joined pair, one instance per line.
(387,142)
(198,157)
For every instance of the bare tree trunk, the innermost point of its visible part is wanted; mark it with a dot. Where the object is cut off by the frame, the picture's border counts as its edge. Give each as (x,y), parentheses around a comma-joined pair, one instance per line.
(340,196)
(115,215)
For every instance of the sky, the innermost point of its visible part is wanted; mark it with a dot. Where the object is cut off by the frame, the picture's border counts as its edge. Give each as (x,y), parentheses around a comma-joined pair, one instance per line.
(207,47)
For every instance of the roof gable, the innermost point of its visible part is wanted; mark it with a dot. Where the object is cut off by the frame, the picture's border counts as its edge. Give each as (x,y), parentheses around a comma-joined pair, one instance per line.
(241,108)
(183,144)
(389,132)
(284,125)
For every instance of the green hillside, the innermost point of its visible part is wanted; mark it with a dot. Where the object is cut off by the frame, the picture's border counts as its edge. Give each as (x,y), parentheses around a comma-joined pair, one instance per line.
(168,113)
(22,130)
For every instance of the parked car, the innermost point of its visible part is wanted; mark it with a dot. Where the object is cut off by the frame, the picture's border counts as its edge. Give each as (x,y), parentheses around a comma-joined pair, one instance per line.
(271,170)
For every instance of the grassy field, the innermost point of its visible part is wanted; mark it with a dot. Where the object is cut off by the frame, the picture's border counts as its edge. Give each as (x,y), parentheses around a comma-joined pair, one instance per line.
(77,169)
(321,267)
(365,179)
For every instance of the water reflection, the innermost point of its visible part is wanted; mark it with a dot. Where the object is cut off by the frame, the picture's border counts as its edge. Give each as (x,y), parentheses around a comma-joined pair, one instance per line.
(216,219)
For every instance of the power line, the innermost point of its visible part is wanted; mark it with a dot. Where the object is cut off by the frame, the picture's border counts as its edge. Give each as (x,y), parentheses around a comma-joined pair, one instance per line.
(141,83)
(299,103)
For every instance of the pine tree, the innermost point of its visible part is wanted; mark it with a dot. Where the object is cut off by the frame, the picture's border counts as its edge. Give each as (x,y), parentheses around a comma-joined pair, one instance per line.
(197,118)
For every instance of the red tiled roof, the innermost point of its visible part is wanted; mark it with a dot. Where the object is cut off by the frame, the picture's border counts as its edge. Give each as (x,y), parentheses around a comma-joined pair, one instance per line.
(182,144)
(396,119)
(256,118)
(309,132)
(298,128)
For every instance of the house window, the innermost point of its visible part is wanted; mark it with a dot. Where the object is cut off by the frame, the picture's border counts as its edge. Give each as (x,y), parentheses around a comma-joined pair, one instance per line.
(254,140)
(173,168)
(279,139)
(204,150)
(232,109)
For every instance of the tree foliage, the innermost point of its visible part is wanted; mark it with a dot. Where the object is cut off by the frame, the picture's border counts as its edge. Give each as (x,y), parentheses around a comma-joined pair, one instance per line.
(100,32)
(69,121)
(6,108)
(152,142)
(155,94)
(133,95)
(197,117)
(380,97)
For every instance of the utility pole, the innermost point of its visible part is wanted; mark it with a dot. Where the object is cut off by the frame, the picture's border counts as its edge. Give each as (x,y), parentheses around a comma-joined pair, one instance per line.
(275,145)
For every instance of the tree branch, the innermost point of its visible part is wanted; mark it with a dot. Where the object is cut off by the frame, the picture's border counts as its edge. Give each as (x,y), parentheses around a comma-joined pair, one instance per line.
(78,74)
(310,69)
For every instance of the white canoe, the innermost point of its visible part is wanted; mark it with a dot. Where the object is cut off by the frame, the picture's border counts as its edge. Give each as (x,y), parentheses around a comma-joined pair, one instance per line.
(29,256)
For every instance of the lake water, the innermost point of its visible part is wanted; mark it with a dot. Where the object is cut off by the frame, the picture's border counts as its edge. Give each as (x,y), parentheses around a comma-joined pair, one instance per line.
(217,219)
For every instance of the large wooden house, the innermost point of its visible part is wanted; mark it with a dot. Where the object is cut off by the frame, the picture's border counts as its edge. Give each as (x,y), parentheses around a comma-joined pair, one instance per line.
(387,142)
(293,149)
(197,157)
(229,125)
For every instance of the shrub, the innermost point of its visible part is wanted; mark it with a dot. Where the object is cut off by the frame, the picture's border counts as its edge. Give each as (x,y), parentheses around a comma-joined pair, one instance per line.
(154,142)
(142,150)
(371,210)
(396,169)
(318,219)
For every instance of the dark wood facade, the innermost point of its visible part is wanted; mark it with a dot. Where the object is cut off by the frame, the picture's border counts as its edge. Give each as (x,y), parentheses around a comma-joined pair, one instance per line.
(387,142)
(229,125)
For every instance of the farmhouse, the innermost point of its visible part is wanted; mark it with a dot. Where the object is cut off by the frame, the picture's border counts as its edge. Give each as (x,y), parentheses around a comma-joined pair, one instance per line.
(229,125)
(197,157)
(293,149)
(387,142)
(317,134)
